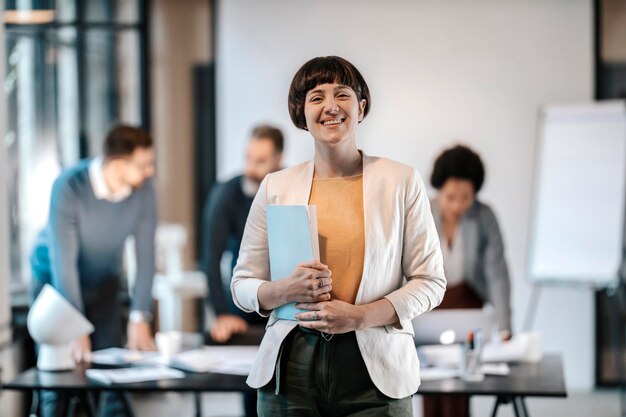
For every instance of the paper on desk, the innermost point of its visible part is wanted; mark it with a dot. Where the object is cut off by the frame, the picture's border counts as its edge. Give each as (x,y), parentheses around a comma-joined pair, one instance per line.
(500,369)
(130,375)
(525,347)
(119,356)
(434,373)
(234,360)
(440,355)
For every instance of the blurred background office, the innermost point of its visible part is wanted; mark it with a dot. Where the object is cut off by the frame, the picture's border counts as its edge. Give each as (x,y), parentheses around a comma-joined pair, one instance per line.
(198,73)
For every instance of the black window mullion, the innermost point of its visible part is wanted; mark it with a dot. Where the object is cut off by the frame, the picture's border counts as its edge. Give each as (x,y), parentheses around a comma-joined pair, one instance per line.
(144,62)
(81,72)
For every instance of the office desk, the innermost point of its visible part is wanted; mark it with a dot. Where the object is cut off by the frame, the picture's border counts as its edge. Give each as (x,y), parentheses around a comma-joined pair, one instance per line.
(76,383)
(543,379)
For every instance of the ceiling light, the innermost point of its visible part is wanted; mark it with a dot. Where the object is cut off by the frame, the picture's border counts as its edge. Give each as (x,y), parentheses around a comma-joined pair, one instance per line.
(28,17)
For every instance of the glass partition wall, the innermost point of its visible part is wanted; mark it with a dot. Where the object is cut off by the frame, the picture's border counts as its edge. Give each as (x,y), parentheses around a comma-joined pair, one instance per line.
(73,68)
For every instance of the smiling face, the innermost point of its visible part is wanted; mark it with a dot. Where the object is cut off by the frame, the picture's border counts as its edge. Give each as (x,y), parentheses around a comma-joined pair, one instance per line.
(332,113)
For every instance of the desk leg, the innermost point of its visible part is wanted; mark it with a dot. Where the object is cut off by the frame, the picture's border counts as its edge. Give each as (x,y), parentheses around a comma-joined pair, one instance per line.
(198,401)
(519,408)
(87,401)
(522,401)
(128,409)
(34,405)
(496,405)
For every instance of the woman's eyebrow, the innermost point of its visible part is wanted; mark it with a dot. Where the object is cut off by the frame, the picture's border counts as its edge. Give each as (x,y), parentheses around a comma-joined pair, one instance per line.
(315,91)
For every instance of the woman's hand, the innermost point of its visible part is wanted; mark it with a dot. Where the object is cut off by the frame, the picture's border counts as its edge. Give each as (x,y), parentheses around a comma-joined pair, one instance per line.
(226,326)
(140,336)
(80,349)
(331,316)
(309,282)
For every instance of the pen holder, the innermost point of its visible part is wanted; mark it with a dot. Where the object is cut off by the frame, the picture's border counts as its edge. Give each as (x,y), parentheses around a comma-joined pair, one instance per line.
(470,365)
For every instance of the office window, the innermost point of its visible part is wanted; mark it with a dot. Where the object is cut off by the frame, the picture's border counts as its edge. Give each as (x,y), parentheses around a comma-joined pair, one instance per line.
(73,68)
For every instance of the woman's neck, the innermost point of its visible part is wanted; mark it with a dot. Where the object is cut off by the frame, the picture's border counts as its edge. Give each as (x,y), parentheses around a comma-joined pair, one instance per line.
(337,161)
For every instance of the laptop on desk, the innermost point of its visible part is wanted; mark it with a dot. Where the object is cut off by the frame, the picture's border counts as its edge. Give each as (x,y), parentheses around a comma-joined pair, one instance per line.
(453,325)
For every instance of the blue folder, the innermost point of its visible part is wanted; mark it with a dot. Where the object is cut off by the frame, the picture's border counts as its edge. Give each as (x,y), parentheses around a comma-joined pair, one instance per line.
(292,239)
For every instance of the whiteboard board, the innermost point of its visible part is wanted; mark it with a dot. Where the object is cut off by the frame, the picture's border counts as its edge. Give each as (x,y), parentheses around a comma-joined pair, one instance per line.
(577,226)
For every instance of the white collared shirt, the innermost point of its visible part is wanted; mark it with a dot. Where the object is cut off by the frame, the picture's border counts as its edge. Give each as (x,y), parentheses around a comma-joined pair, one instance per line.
(100,188)
(453,257)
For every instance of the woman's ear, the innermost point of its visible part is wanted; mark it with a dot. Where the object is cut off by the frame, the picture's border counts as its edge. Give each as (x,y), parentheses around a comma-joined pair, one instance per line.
(362,105)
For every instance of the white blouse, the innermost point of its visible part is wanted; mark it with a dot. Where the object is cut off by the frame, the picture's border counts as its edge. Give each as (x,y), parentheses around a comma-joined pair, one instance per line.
(453,257)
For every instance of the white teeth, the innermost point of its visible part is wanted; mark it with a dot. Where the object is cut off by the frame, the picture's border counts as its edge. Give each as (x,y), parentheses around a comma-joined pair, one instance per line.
(331,122)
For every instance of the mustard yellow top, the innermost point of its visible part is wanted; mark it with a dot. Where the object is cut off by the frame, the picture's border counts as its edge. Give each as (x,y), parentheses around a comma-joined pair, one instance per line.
(340,225)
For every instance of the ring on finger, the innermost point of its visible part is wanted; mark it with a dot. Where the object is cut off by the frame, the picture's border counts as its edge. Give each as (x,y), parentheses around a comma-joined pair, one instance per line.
(316,316)
(321,284)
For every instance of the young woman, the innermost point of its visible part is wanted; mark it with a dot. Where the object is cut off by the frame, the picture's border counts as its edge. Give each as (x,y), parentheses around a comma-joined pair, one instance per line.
(473,252)
(352,351)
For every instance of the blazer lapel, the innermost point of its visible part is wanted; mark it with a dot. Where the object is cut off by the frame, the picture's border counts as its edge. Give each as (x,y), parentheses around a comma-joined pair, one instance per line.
(299,190)
(369,210)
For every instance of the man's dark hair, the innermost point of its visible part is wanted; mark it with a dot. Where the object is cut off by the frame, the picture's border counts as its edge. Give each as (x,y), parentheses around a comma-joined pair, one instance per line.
(122,140)
(458,162)
(324,70)
(272,133)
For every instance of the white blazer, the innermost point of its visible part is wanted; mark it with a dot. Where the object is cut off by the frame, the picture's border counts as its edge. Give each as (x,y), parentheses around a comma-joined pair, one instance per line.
(400,241)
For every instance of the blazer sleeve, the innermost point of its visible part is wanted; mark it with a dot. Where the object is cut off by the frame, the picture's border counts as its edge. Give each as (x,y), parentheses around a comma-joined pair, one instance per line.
(422,262)
(253,266)
(496,270)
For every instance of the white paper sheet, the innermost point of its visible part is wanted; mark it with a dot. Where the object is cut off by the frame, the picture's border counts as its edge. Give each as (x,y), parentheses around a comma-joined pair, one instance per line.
(130,375)
(234,360)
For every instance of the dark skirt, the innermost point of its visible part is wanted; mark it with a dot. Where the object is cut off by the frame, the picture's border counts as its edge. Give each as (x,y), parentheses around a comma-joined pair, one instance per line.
(319,377)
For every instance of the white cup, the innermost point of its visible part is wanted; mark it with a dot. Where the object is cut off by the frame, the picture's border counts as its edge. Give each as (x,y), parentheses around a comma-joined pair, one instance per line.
(534,351)
(168,344)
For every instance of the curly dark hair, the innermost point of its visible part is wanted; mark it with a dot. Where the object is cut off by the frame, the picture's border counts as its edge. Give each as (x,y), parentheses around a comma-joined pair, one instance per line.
(324,70)
(458,162)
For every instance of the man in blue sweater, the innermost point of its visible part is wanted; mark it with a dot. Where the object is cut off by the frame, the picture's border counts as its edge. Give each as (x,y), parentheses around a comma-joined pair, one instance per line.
(95,206)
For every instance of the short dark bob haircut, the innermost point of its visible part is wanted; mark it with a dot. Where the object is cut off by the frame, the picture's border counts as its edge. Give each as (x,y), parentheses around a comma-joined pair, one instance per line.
(324,70)
(458,162)
(122,140)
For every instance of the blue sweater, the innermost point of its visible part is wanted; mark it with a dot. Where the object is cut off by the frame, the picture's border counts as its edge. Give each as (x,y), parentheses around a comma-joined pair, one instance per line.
(83,243)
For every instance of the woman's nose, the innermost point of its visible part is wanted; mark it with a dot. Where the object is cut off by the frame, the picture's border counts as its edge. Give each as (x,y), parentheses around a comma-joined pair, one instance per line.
(332,107)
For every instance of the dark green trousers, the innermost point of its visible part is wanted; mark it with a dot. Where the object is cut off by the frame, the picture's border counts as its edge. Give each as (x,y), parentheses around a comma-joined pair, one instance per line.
(316,377)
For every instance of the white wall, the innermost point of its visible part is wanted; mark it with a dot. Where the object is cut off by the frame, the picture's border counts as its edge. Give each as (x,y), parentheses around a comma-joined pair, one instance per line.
(439,71)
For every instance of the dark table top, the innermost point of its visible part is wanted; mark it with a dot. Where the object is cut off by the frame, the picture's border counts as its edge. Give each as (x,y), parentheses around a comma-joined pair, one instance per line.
(33,379)
(76,381)
(542,379)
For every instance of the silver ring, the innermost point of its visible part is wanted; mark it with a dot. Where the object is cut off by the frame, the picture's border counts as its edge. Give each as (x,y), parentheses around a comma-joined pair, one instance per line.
(321,283)
(316,316)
